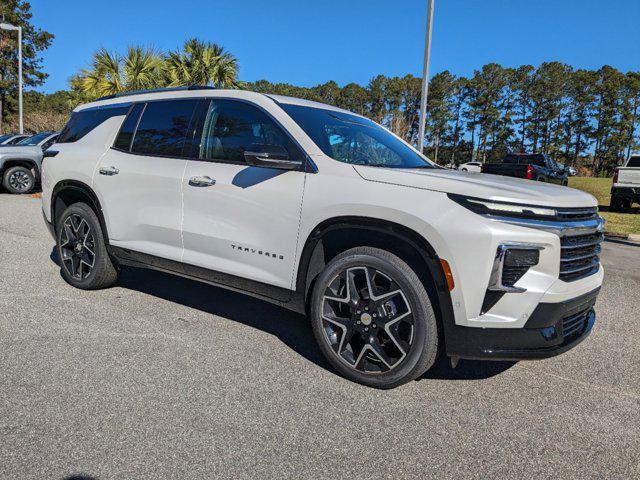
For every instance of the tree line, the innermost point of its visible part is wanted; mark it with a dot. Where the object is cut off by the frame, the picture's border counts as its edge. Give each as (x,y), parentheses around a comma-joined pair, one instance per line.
(580,117)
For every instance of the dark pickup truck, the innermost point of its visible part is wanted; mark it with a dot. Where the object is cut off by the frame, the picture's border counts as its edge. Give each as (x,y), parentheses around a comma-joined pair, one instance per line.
(534,166)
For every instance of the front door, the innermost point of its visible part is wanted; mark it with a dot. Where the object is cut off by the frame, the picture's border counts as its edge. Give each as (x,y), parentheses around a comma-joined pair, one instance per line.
(238,219)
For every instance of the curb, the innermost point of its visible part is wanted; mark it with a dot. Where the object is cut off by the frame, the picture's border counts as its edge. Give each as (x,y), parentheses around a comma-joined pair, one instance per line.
(622,241)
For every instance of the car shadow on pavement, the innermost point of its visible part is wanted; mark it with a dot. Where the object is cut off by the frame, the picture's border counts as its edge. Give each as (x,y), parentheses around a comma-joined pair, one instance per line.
(291,328)
(466,370)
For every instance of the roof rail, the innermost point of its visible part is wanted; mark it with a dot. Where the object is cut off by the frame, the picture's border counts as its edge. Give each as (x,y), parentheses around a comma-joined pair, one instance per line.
(156,90)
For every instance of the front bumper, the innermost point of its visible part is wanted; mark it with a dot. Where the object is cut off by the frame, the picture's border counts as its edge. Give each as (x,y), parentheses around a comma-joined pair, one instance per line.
(552,329)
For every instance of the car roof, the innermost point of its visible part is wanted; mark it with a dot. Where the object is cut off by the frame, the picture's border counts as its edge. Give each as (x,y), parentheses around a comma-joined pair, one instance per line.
(305,103)
(191,92)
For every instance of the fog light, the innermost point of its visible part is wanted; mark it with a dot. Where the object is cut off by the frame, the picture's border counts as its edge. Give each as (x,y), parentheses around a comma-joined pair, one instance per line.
(512,261)
(521,257)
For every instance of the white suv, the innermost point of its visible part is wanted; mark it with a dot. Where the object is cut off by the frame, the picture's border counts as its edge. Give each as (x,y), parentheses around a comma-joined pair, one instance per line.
(323,211)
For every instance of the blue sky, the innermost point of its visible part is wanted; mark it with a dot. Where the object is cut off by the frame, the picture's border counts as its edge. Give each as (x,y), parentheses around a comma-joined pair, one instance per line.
(310,42)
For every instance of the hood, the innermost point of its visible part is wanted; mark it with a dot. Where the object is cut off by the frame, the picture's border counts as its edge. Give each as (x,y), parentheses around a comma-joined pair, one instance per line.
(480,185)
(20,149)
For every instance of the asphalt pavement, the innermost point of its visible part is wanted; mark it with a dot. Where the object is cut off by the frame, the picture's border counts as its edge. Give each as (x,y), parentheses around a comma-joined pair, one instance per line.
(162,377)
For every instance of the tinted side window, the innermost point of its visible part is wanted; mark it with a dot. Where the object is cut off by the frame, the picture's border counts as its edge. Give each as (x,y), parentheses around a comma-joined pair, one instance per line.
(123,140)
(84,121)
(634,162)
(510,159)
(163,128)
(17,140)
(537,161)
(230,127)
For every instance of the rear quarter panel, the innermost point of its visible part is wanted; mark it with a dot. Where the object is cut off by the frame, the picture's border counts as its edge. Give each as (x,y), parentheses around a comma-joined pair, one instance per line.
(77,161)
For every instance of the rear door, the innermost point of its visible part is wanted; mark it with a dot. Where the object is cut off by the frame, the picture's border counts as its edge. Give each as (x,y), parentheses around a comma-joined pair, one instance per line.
(241,220)
(139,179)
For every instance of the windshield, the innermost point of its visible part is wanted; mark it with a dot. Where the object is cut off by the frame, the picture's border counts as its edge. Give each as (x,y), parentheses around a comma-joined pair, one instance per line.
(355,140)
(35,139)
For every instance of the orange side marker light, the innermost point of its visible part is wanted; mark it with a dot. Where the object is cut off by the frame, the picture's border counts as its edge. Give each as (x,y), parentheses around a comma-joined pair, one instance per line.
(447,274)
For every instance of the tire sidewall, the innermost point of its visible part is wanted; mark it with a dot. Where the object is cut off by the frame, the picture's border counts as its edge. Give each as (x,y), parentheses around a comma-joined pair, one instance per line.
(425,329)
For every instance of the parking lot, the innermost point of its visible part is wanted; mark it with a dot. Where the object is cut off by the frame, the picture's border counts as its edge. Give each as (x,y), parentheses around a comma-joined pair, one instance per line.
(165,377)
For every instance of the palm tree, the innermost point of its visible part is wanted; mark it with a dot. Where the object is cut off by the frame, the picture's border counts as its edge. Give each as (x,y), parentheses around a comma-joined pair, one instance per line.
(110,73)
(201,63)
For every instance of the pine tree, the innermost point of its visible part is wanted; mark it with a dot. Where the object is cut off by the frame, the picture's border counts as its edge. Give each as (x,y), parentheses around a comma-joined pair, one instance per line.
(34,41)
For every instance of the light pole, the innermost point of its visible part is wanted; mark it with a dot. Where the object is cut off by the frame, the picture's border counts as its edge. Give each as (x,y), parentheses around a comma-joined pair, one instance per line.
(8,26)
(425,75)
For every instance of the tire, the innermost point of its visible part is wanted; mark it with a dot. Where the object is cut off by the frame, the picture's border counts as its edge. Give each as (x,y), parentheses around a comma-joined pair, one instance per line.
(382,340)
(84,260)
(464,170)
(616,204)
(19,180)
(541,179)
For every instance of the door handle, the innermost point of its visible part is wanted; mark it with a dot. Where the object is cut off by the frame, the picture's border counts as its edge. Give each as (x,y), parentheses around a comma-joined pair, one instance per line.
(109,171)
(203,181)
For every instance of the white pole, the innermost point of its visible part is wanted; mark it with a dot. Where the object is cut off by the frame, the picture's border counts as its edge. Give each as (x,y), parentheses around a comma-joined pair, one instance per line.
(425,76)
(20,79)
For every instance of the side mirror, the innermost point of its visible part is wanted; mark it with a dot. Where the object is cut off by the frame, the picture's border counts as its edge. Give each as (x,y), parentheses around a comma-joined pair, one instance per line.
(270,156)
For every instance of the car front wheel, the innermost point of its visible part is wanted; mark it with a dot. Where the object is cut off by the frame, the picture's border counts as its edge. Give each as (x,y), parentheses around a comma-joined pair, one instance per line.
(372,318)
(19,180)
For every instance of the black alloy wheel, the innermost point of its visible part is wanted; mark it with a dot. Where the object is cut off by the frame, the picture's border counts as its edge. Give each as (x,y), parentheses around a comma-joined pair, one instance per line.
(84,260)
(373,319)
(367,320)
(77,247)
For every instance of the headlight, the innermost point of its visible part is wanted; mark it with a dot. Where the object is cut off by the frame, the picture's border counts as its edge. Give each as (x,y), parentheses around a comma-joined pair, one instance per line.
(490,207)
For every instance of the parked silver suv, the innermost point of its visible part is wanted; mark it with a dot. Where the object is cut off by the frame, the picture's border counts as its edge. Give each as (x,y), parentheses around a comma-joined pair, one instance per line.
(20,163)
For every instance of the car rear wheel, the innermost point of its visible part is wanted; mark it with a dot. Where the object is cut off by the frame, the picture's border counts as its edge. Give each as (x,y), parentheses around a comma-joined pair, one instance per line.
(372,318)
(84,260)
(616,204)
(19,180)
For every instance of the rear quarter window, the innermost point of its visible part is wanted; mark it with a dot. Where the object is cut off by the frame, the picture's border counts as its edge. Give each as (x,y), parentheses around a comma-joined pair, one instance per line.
(82,122)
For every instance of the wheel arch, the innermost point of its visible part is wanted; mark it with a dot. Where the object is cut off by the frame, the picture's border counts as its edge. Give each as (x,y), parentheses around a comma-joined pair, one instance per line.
(20,162)
(338,234)
(68,192)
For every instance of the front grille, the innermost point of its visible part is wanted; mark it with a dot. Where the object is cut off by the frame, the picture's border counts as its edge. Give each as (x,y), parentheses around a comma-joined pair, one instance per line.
(568,214)
(574,325)
(580,256)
